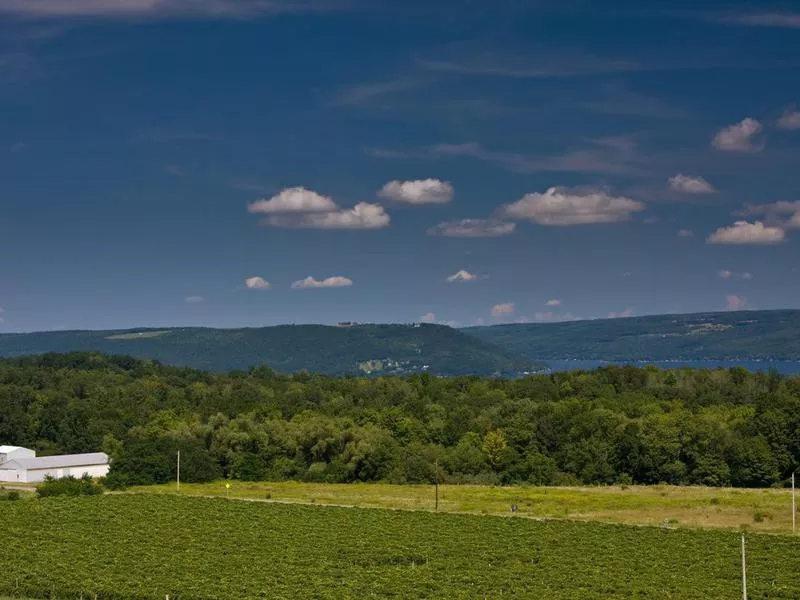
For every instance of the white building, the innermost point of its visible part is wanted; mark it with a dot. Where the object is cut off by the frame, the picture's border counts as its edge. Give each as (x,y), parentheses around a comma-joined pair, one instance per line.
(21,465)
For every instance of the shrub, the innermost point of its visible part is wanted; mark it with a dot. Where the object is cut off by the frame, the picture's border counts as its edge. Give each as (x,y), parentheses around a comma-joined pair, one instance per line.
(10,496)
(68,486)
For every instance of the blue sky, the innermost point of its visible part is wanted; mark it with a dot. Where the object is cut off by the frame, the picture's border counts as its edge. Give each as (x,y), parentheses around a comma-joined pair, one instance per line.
(221,163)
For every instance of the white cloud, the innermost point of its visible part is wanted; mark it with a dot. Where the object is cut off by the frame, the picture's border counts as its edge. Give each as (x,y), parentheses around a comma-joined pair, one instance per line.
(744,232)
(790,119)
(767,19)
(774,208)
(421,191)
(150,9)
(501,310)
(738,137)
(727,274)
(685,233)
(734,302)
(686,184)
(194,299)
(462,276)
(362,216)
(473,228)
(553,302)
(330,282)
(561,207)
(428,318)
(294,200)
(256,283)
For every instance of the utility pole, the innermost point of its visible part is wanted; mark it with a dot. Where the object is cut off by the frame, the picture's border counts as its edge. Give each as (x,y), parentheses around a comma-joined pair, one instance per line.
(744,572)
(794,509)
(179,471)
(436,482)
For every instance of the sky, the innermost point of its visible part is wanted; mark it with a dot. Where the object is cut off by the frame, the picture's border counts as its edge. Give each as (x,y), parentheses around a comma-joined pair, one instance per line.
(254,162)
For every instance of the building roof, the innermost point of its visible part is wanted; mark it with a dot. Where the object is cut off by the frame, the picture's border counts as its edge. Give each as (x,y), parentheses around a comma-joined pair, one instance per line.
(58,462)
(10,449)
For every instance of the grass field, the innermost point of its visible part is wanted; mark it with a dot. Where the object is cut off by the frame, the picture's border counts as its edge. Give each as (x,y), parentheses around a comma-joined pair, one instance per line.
(136,546)
(766,510)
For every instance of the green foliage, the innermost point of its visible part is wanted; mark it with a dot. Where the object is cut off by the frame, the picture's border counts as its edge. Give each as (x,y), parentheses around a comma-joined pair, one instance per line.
(753,334)
(68,486)
(10,496)
(615,425)
(127,547)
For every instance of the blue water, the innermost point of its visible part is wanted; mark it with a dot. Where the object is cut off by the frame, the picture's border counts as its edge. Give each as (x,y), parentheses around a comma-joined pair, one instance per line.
(781,366)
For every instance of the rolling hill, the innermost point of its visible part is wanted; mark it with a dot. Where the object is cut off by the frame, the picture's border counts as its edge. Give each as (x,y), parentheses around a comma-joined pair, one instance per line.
(773,334)
(364,349)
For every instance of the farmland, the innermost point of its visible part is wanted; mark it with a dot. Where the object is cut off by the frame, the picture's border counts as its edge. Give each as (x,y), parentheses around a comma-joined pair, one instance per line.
(765,510)
(131,546)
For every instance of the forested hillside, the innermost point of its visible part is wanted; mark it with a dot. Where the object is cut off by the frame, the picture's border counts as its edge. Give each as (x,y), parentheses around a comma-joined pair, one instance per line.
(764,334)
(359,349)
(616,424)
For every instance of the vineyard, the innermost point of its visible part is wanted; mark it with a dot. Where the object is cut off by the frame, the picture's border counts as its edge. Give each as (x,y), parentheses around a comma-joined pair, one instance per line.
(140,546)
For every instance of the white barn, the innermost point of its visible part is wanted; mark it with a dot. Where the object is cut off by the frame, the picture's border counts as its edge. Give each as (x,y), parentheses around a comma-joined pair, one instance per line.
(21,465)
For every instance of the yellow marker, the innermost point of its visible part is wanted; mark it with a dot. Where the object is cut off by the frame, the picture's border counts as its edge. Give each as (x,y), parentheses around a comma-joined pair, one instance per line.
(227,485)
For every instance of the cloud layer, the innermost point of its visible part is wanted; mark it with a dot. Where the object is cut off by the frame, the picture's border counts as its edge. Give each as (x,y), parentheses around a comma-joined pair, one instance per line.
(744,232)
(421,191)
(151,9)
(473,228)
(563,207)
(330,282)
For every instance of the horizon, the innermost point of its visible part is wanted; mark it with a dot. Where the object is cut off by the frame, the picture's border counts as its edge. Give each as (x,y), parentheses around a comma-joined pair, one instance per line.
(346,325)
(229,164)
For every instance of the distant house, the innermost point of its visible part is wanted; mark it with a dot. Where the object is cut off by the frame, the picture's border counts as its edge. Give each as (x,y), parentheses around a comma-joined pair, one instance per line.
(21,465)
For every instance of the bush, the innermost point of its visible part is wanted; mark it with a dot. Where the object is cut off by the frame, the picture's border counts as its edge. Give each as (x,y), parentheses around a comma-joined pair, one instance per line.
(68,486)
(10,496)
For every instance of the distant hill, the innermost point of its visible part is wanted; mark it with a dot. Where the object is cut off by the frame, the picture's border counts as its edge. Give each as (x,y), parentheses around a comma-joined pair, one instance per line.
(358,349)
(773,334)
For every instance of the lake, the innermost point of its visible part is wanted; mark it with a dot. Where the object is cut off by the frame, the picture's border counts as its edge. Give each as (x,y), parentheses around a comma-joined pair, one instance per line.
(781,366)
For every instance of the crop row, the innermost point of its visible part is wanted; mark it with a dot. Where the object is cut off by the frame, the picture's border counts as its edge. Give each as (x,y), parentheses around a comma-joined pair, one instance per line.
(147,546)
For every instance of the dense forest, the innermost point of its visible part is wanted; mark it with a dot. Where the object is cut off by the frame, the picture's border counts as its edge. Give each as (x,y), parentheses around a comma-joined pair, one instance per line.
(612,425)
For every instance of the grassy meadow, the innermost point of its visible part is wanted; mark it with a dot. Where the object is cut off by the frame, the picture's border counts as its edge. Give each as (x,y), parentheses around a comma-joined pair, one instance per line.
(136,546)
(764,510)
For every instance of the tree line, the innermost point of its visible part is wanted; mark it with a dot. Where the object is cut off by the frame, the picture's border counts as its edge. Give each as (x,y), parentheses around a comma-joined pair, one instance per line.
(613,425)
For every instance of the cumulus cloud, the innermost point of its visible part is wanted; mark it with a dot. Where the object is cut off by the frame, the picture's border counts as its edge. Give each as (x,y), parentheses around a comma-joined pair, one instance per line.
(154,9)
(553,302)
(781,214)
(256,283)
(561,207)
(739,137)
(685,233)
(462,276)
(428,318)
(503,310)
(330,282)
(294,200)
(362,216)
(725,274)
(194,299)
(734,302)
(420,191)
(473,228)
(744,232)
(686,184)
(790,120)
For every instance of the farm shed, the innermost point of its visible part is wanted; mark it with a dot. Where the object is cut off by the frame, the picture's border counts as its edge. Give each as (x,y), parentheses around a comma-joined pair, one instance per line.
(21,465)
